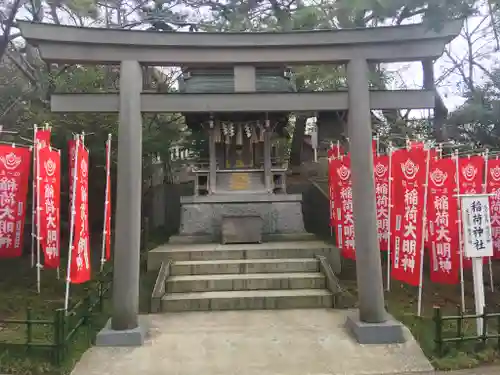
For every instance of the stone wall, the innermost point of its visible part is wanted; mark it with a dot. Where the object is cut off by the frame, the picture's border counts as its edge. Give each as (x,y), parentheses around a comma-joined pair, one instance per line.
(162,205)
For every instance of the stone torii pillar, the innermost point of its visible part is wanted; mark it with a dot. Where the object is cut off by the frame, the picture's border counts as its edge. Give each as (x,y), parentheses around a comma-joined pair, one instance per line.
(124,328)
(371,324)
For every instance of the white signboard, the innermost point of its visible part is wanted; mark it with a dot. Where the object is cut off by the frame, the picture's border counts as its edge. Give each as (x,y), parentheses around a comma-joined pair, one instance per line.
(314,142)
(476,226)
(314,136)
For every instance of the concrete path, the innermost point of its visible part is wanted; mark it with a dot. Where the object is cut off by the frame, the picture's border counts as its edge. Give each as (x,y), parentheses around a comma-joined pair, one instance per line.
(485,370)
(286,342)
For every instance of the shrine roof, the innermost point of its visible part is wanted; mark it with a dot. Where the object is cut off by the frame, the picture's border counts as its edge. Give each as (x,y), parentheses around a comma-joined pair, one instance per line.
(203,84)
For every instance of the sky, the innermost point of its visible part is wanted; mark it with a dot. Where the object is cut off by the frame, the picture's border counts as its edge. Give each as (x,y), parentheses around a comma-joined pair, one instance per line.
(451,88)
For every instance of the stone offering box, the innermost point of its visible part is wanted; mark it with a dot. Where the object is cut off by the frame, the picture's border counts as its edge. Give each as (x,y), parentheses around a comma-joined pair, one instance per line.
(241,229)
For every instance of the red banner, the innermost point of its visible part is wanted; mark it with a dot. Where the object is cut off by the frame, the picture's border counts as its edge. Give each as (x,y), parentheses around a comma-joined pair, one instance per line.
(408,194)
(443,221)
(335,152)
(331,190)
(42,136)
(14,176)
(343,195)
(416,145)
(428,227)
(381,172)
(80,251)
(493,187)
(335,208)
(470,181)
(470,177)
(71,165)
(49,162)
(107,219)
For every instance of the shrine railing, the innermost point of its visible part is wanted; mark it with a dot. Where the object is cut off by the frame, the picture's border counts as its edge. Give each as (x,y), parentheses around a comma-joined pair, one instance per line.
(51,338)
(452,330)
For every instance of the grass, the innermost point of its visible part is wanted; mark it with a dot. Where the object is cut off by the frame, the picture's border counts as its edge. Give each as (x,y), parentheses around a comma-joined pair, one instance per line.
(402,304)
(18,292)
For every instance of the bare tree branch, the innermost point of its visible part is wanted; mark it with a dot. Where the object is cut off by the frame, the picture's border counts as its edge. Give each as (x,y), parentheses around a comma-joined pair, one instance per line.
(22,67)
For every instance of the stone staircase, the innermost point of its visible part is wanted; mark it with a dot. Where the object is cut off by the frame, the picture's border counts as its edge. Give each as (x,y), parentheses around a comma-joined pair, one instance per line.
(279,275)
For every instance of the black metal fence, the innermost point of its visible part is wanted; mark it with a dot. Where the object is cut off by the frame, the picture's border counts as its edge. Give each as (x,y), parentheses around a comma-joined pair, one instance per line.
(455,333)
(54,337)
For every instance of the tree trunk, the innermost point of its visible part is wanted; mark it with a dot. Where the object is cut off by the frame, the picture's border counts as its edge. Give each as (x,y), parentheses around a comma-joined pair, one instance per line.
(298,141)
(7,26)
(440,110)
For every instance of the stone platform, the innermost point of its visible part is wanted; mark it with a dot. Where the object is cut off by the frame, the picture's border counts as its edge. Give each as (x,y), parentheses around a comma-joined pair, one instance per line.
(203,215)
(284,342)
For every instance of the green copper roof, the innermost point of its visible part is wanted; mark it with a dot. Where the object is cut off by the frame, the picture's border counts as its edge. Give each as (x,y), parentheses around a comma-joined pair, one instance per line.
(222,81)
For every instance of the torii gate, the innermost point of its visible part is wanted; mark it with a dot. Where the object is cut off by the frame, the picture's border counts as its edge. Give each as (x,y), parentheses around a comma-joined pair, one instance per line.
(244,51)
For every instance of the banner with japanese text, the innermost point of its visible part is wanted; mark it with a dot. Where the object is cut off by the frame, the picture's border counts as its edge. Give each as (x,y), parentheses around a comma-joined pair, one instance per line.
(71,165)
(107,218)
(42,137)
(493,187)
(331,194)
(343,195)
(381,173)
(15,165)
(428,227)
(335,206)
(442,218)
(80,252)
(470,181)
(409,169)
(49,162)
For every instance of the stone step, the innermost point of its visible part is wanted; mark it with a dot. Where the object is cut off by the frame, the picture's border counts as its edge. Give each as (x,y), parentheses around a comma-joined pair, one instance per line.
(270,250)
(248,300)
(228,266)
(249,281)
(179,239)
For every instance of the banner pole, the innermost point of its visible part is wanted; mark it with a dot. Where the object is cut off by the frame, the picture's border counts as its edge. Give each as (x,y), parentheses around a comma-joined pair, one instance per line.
(485,188)
(72,229)
(106,203)
(388,286)
(38,208)
(33,202)
(462,287)
(330,201)
(59,237)
(424,223)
